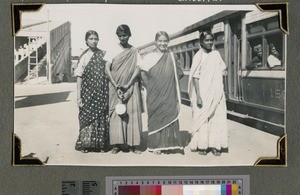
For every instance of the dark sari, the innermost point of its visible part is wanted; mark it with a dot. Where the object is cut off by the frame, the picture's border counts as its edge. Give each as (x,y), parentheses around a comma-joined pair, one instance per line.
(163,105)
(93,116)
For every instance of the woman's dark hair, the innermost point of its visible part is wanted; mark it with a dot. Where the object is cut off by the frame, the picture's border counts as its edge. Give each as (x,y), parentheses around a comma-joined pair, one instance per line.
(271,45)
(204,34)
(89,33)
(124,28)
(161,33)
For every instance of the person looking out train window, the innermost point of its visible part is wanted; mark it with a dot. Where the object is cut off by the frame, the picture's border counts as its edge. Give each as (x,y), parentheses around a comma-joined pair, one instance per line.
(257,60)
(274,58)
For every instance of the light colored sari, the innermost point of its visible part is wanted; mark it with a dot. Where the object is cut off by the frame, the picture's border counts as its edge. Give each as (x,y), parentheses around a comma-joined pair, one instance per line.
(209,129)
(123,66)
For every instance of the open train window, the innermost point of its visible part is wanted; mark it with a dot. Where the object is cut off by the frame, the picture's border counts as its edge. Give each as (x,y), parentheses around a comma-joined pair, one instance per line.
(275,51)
(185,53)
(219,43)
(265,43)
(219,37)
(255,54)
(180,59)
(190,56)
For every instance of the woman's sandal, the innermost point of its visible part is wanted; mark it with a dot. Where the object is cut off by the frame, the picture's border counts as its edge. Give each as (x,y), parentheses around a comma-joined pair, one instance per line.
(115,150)
(79,148)
(157,152)
(216,152)
(182,152)
(84,150)
(137,151)
(134,150)
(202,152)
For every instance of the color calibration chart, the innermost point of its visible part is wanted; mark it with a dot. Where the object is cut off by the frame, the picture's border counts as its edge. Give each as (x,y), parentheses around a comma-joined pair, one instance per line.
(181,185)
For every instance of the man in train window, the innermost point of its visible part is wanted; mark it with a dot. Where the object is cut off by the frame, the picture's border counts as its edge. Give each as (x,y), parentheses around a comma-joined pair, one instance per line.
(273,59)
(257,60)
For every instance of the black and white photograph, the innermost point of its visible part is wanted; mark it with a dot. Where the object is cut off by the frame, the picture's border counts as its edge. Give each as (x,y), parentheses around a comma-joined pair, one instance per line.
(149,85)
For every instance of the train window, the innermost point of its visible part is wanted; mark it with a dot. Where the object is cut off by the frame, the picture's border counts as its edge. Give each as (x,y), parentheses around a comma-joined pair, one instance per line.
(219,43)
(197,45)
(272,24)
(255,28)
(275,49)
(219,37)
(181,59)
(190,45)
(184,59)
(189,61)
(255,54)
(185,53)
(172,49)
(220,48)
(265,45)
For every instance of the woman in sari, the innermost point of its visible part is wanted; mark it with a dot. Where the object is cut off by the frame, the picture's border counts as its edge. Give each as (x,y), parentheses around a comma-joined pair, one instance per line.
(160,74)
(209,130)
(92,97)
(125,130)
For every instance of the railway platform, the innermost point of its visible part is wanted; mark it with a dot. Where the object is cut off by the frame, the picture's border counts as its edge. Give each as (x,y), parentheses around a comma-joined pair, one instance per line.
(47,124)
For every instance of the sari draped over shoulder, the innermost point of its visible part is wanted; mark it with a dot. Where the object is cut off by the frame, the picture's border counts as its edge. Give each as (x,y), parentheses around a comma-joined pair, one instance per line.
(163,101)
(93,116)
(123,66)
(209,72)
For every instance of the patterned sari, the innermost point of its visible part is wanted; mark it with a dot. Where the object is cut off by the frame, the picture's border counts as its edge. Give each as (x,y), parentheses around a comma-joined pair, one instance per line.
(93,116)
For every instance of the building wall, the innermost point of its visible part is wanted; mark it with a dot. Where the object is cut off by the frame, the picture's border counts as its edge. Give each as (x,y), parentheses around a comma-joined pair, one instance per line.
(21,69)
(60,52)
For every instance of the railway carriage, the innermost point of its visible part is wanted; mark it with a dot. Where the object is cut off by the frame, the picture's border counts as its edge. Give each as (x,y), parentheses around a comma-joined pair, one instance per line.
(255,93)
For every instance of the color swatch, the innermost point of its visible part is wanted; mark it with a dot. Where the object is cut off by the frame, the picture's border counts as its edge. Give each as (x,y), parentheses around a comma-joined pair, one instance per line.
(179,185)
(222,189)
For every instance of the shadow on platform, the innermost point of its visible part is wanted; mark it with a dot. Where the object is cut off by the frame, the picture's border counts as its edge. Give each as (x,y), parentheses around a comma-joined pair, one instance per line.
(42,99)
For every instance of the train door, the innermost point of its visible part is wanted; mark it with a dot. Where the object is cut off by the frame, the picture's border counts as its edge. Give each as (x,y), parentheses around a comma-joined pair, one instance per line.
(233,58)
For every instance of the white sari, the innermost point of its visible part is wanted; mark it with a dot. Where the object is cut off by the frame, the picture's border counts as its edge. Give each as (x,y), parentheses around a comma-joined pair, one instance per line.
(209,129)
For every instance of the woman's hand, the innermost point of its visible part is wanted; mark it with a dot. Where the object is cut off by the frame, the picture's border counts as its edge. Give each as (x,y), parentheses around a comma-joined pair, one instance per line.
(199,102)
(123,88)
(79,103)
(120,94)
(127,96)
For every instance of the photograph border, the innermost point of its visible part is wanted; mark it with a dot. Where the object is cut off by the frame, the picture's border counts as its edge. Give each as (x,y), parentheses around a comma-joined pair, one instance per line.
(280,8)
(48,179)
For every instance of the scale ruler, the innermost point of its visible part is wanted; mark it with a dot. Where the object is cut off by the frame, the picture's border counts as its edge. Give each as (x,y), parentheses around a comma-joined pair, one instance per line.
(80,188)
(179,185)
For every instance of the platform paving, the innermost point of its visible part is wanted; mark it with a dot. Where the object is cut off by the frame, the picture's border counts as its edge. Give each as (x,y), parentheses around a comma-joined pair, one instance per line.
(47,124)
